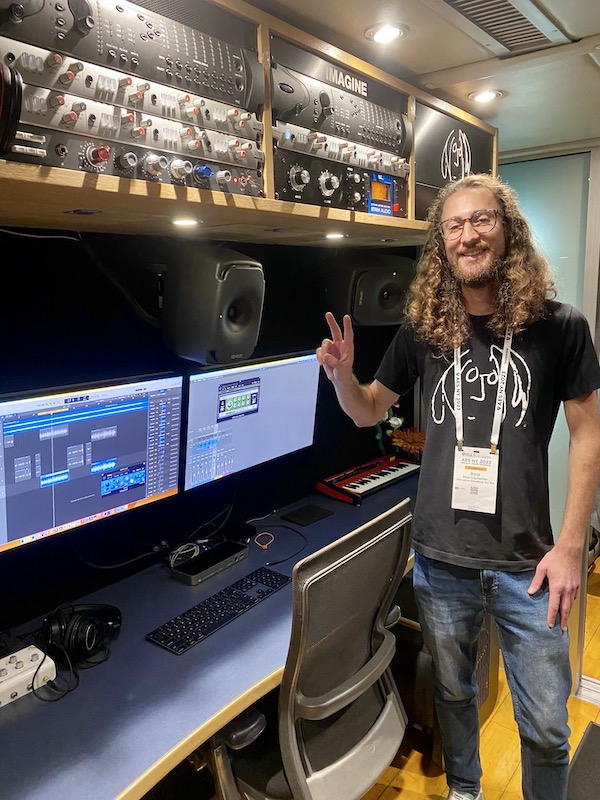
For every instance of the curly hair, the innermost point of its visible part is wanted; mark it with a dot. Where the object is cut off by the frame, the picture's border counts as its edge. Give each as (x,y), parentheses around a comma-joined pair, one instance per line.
(435,305)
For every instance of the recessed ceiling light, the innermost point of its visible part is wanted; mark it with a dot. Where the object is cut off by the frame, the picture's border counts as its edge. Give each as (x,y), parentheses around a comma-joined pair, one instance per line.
(383,32)
(335,235)
(185,222)
(485,96)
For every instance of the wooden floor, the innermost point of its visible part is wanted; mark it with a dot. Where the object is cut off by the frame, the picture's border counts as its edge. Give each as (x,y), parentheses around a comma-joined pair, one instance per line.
(413,778)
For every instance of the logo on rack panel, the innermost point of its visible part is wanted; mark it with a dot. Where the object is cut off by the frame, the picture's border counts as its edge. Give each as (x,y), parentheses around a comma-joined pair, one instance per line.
(456,156)
(348,82)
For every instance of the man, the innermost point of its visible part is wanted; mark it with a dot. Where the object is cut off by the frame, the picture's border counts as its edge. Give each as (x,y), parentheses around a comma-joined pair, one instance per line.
(496,357)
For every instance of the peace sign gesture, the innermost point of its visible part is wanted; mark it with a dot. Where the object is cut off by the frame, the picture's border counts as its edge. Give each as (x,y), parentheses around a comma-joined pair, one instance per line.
(336,355)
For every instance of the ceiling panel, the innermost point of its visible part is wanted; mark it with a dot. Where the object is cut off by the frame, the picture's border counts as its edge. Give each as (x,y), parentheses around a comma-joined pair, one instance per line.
(578,17)
(551,96)
(342,23)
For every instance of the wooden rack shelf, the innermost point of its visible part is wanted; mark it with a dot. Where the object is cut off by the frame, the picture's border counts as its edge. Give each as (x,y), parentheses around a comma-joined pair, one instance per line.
(59,199)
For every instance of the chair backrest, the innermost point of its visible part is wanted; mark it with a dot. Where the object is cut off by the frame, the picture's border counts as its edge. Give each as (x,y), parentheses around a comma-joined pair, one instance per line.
(341,720)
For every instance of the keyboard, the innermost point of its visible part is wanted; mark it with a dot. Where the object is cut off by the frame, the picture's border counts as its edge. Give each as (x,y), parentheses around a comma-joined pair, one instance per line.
(192,626)
(358,482)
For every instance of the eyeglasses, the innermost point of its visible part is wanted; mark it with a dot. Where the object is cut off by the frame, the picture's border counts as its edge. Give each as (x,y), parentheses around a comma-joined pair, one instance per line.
(482,221)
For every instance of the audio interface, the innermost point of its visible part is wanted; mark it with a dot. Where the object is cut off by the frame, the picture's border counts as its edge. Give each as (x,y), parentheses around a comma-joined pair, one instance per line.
(114,88)
(23,671)
(340,138)
(301,178)
(321,107)
(90,154)
(333,148)
(89,82)
(68,113)
(135,41)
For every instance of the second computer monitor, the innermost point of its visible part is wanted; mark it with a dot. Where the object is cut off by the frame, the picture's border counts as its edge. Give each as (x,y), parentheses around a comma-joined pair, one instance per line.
(244,415)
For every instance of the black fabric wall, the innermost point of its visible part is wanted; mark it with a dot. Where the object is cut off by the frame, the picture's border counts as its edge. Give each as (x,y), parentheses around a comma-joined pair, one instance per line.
(85,308)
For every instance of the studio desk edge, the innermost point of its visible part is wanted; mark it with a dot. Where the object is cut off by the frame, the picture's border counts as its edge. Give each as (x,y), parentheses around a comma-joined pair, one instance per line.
(136,716)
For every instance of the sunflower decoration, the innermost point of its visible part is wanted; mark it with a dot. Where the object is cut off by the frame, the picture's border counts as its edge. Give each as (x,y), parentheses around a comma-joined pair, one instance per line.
(409,440)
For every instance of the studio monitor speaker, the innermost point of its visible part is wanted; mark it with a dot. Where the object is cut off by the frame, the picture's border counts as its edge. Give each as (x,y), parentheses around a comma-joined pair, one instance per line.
(372,289)
(212,303)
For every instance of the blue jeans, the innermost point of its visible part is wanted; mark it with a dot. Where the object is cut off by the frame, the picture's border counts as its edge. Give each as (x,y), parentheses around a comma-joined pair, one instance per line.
(452,602)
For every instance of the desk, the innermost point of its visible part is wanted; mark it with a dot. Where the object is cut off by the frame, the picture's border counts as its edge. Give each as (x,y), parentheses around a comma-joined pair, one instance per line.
(136,716)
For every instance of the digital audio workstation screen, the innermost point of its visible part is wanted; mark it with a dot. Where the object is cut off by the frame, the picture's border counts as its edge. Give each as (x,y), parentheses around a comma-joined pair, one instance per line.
(78,456)
(242,416)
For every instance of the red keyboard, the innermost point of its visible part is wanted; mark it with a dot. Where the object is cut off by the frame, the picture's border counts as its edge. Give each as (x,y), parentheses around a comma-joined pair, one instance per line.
(358,482)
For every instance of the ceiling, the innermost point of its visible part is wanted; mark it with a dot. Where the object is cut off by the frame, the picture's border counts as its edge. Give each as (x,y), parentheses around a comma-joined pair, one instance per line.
(544,55)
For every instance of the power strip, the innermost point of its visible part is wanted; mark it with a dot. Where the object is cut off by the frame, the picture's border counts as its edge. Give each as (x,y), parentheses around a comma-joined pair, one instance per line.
(18,670)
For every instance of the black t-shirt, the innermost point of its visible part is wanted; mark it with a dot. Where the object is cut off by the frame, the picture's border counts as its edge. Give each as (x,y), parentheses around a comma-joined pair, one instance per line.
(551,361)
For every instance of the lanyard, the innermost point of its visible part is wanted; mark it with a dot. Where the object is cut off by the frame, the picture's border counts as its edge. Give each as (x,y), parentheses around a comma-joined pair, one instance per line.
(500,395)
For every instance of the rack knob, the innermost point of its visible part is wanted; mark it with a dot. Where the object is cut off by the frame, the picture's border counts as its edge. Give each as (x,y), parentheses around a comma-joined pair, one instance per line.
(127,160)
(155,164)
(328,183)
(299,177)
(180,168)
(97,155)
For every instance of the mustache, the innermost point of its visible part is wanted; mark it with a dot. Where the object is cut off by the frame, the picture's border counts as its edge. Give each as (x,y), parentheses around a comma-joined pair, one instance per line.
(470,251)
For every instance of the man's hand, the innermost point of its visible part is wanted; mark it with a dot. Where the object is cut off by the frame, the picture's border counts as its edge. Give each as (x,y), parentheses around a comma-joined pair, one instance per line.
(365,405)
(562,568)
(336,355)
(563,565)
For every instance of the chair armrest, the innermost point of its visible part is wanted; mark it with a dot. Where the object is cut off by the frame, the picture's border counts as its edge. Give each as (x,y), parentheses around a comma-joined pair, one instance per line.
(331,702)
(394,614)
(244,729)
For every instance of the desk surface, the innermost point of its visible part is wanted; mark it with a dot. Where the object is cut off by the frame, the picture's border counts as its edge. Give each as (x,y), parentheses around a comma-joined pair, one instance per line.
(136,716)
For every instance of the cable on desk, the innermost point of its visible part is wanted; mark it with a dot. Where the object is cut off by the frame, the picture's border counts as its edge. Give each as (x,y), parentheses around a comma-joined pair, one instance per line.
(289,528)
(156,549)
(217,527)
(71,682)
(178,555)
(266,542)
(227,511)
(189,550)
(264,516)
(61,635)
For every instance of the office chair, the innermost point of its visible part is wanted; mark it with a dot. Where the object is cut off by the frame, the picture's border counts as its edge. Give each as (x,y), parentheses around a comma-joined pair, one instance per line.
(338,721)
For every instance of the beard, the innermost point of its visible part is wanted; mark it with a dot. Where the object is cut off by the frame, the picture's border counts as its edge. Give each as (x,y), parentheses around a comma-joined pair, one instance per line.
(478,275)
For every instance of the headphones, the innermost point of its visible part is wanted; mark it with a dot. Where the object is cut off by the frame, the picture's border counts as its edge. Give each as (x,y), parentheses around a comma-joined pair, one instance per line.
(11,95)
(81,632)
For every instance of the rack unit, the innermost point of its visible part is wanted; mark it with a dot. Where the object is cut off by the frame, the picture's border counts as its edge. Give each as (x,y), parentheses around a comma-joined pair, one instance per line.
(259,208)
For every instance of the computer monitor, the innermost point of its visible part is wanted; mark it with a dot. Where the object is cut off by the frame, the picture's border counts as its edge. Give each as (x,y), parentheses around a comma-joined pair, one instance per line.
(81,454)
(241,416)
